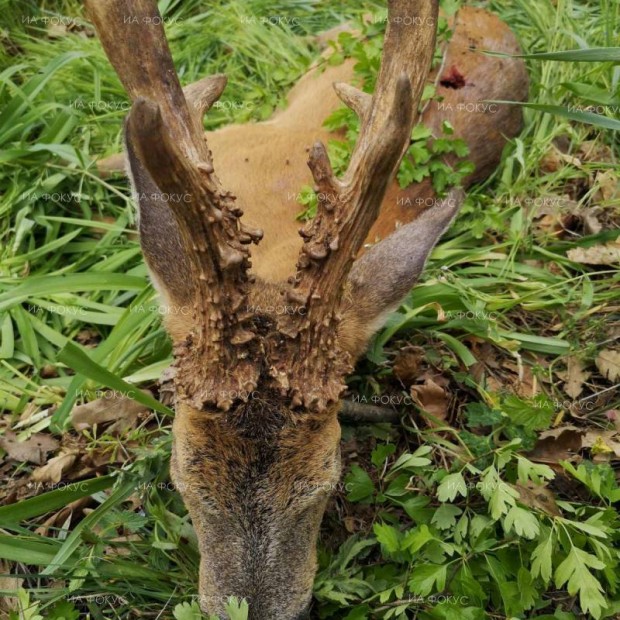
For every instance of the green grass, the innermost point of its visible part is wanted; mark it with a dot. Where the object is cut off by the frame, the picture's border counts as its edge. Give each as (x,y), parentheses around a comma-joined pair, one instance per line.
(500,295)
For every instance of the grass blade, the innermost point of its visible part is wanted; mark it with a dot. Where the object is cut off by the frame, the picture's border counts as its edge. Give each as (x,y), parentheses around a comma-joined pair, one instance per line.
(82,363)
(46,502)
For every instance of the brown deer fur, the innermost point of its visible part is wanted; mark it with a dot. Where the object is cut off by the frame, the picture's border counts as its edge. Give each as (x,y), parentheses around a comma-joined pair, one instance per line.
(261,359)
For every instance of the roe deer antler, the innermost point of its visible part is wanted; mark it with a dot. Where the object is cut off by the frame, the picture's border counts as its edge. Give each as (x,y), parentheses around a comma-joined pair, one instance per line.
(349,206)
(167,136)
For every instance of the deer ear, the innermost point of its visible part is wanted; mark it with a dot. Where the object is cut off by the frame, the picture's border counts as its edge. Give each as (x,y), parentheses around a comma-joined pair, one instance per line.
(159,234)
(382,277)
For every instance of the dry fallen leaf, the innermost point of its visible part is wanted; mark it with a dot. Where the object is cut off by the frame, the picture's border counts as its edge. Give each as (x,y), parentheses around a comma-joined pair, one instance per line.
(551,224)
(48,371)
(88,337)
(123,545)
(34,449)
(57,30)
(63,515)
(554,159)
(102,458)
(575,378)
(525,382)
(591,223)
(434,376)
(603,442)
(553,214)
(111,408)
(495,384)
(607,254)
(609,186)
(54,469)
(351,524)
(432,398)
(11,584)
(558,444)
(595,150)
(537,496)
(608,364)
(407,364)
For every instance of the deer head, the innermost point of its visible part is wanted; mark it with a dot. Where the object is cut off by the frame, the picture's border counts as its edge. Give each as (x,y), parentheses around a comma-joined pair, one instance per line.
(260,366)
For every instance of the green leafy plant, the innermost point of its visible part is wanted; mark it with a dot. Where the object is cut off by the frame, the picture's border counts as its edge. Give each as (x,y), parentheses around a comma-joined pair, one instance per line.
(473,541)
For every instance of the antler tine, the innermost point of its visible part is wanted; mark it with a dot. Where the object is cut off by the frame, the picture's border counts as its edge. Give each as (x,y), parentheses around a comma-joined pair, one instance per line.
(166,135)
(354,98)
(201,95)
(349,206)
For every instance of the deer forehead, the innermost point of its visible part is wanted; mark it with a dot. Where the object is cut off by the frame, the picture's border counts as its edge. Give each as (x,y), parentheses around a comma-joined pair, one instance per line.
(255,430)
